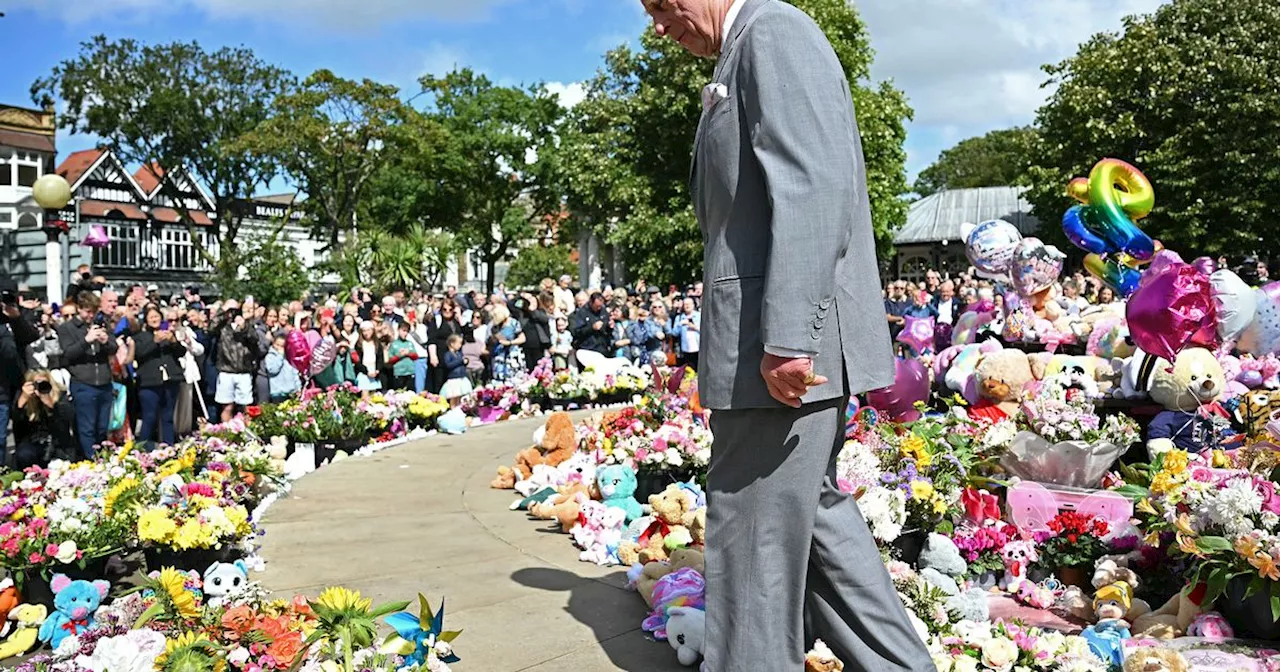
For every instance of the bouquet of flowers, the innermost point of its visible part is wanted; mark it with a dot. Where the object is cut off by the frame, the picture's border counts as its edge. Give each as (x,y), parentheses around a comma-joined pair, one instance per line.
(981,546)
(925,603)
(675,447)
(930,466)
(195,516)
(1062,440)
(1000,647)
(56,516)
(421,410)
(1073,540)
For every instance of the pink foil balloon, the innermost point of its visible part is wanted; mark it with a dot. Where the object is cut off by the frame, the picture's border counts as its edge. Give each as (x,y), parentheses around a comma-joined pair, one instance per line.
(917,334)
(1172,308)
(298,351)
(898,401)
(1205,265)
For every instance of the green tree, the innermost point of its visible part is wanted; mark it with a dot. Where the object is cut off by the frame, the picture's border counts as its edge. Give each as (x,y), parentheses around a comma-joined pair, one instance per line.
(539,261)
(997,159)
(175,105)
(271,273)
(331,136)
(625,150)
(384,260)
(502,179)
(1190,96)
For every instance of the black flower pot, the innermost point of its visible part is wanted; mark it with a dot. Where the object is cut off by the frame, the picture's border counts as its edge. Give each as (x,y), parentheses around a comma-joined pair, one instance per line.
(653,482)
(198,559)
(909,544)
(1249,616)
(33,583)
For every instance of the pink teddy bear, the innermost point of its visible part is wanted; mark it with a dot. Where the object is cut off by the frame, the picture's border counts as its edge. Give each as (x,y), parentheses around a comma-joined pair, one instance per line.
(1018,555)
(1212,626)
(598,532)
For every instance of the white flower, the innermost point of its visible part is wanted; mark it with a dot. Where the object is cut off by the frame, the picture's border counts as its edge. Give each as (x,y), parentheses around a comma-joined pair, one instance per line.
(999,654)
(885,511)
(238,656)
(66,552)
(964,664)
(1232,506)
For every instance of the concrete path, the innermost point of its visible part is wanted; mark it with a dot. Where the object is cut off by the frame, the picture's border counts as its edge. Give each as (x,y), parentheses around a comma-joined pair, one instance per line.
(422,518)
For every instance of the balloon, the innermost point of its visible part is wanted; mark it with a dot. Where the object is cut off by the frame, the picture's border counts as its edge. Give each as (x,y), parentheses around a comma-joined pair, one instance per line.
(1262,337)
(1172,308)
(313,337)
(1122,195)
(851,416)
(918,334)
(97,237)
(968,325)
(942,336)
(1122,279)
(298,351)
(1235,302)
(322,355)
(910,385)
(1205,265)
(1035,266)
(989,247)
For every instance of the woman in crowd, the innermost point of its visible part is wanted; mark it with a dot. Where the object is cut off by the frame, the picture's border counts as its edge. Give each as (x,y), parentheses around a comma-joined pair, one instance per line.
(282,377)
(157,352)
(188,403)
(1106,296)
(42,422)
(618,325)
(506,341)
(349,331)
(537,327)
(445,325)
(45,352)
(367,356)
(420,335)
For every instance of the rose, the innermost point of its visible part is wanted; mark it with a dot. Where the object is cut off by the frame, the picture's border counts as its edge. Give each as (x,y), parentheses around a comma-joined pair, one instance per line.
(999,654)
(67,552)
(964,664)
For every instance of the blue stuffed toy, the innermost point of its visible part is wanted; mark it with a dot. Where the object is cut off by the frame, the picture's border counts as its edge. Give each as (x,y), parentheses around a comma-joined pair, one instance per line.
(617,485)
(76,602)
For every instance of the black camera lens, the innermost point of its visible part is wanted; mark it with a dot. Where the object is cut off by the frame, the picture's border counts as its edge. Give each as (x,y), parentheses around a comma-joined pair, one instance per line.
(44,386)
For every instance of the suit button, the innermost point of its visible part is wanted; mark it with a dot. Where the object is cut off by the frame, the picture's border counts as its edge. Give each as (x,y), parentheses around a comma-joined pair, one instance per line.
(825,303)
(822,312)
(817,324)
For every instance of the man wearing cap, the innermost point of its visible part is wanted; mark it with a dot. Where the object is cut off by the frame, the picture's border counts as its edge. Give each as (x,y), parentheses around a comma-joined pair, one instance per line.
(791,325)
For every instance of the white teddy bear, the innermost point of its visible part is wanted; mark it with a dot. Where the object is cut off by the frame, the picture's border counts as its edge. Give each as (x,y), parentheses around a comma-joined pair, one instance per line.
(686,632)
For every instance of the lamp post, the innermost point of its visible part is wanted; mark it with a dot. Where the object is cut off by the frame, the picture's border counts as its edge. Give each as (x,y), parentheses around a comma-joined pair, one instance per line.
(52,193)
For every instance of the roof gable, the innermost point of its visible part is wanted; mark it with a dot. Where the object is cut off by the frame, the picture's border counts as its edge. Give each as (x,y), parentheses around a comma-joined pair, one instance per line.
(78,164)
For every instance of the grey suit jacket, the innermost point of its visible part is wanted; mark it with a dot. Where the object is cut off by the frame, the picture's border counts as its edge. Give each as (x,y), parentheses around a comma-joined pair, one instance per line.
(778,184)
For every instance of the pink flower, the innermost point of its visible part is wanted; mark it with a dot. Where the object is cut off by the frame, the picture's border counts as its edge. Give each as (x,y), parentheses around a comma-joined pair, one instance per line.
(641,453)
(51,550)
(35,559)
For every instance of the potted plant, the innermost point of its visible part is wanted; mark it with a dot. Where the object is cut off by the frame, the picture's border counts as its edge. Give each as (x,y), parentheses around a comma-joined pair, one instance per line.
(1072,545)
(981,548)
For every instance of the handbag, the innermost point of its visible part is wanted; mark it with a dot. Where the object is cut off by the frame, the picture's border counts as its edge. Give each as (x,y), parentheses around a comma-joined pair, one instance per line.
(119,407)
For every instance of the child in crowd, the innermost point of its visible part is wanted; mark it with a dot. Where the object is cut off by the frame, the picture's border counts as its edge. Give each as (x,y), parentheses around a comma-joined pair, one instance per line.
(402,357)
(457,384)
(561,344)
(282,378)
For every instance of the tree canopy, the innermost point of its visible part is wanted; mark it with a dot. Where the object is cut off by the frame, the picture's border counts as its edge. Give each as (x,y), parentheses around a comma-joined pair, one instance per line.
(170,105)
(626,148)
(1191,96)
(997,159)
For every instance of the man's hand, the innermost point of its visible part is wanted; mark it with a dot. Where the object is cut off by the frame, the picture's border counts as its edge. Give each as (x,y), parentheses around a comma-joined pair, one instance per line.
(597,326)
(11,311)
(95,333)
(789,378)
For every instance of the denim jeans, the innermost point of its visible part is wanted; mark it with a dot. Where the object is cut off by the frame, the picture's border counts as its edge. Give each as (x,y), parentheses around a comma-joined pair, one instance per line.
(93,414)
(420,375)
(158,405)
(4,430)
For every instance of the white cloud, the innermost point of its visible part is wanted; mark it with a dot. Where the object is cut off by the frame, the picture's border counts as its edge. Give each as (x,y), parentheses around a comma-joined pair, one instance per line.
(974,65)
(345,14)
(570,94)
(440,59)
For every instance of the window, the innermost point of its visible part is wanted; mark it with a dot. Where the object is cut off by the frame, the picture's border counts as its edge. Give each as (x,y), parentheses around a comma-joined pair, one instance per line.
(28,221)
(6,172)
(27,174)
(6,218)
(913,268)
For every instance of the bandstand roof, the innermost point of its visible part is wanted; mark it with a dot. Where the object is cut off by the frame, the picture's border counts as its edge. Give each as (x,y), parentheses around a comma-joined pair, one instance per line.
(939,217)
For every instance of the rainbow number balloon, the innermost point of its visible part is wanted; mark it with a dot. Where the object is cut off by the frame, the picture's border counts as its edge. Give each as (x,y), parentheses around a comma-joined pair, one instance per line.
(1113,199)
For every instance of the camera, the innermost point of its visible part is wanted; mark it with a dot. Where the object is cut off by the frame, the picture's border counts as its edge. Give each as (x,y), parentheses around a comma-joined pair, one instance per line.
(44,386)
(100,320)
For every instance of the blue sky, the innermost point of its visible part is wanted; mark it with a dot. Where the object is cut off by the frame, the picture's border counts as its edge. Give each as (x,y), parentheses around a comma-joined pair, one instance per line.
(968,66)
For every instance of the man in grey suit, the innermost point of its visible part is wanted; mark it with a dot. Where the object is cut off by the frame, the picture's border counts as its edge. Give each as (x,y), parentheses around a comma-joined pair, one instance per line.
(792,323)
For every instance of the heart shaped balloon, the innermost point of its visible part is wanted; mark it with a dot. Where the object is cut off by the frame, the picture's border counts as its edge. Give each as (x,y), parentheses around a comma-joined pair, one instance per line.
(918,334)
(1035,266)
(1235,302)
(1262,336)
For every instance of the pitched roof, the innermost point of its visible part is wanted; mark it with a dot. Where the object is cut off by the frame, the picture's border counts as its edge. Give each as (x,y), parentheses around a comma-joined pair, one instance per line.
(939,217)
(172,216)
(147,180)
(278,199)
(22,140)
(78,163)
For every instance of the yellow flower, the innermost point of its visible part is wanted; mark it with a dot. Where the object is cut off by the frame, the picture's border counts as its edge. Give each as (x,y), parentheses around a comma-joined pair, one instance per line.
(939,504)
(1183,523)
(122,486)
(187,642)
(921,490)
(1220,459)
(1163,483)
(1247,547)
(342,599)
(1188,545)
(39,510)
(174,584)
(154,525)
(1175,461)
(1144,506)
(1152,540)
(191,535)
(913,446)
(125,450)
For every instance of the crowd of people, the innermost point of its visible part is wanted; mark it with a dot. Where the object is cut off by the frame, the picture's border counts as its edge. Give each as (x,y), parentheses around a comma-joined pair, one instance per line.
(125,363)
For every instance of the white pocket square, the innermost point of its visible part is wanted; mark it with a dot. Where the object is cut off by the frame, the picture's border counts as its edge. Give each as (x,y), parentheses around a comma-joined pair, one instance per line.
(712,94)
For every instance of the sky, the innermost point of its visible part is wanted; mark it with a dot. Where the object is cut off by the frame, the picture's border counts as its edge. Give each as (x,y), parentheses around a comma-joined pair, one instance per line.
(967,66)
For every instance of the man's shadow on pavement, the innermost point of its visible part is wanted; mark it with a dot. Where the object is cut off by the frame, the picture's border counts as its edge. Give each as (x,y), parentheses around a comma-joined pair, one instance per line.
(612,612)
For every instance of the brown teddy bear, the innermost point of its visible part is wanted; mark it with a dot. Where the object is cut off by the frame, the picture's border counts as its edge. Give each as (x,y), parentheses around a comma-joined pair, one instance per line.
(564,507)
(667,530)
(680,558)
(1107,572)
(821,659)
(1152,659)
(1173,619)
(1000,377)
(558,441)
(696,521)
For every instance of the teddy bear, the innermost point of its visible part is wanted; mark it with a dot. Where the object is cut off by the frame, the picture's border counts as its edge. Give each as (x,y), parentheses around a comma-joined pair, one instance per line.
(696,522)
(554,443)
(75,603)
(643,578)
(1155,659)
(22,629)
(686,632)
(564,507)
(224,579)
(1018,555)
(666,532)
(1000,379)
(1188,390)
(1253,412)
(941,563)
(1211,626)
(821,659)
(1175,617)
(598,533)
(617,486)
(9,597)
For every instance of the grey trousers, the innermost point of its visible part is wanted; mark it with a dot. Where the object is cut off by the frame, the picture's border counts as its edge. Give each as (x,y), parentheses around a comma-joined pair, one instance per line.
(789,557)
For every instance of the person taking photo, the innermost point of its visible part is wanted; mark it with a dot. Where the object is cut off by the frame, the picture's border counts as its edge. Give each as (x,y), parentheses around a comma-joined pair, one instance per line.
(42,423)
(158,354)
(87,349)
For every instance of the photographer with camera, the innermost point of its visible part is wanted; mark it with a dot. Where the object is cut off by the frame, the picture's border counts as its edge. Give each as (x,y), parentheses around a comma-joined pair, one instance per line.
(237,359)
(42,423)
(157,352)
(17,331)
(87,349)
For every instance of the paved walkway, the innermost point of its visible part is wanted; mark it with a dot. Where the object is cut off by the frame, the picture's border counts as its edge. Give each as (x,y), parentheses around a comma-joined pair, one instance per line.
(422,518)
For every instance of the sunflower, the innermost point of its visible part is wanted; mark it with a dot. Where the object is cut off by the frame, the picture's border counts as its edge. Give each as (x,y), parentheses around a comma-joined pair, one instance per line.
(190,651)
(173,584)
(342,599)
(121,487)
